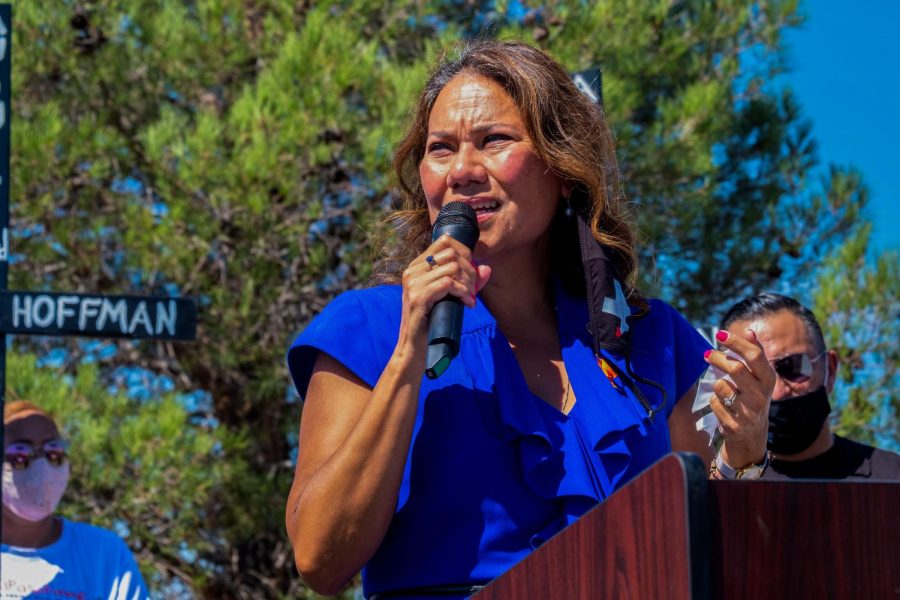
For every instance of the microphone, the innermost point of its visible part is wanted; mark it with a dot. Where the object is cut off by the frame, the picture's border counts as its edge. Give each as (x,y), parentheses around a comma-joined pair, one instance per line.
(445,322)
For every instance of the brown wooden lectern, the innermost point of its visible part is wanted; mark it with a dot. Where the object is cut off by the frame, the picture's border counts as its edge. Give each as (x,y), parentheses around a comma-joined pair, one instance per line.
(673,534)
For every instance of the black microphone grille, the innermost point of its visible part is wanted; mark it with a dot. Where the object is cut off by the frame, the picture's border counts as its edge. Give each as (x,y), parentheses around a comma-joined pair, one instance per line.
(456,213)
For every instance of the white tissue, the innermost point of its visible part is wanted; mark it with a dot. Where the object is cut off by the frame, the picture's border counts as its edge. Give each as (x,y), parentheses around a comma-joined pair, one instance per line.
(707,420)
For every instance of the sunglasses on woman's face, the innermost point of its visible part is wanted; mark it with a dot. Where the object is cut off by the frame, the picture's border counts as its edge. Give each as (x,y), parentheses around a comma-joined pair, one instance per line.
(19,455)
(796,368)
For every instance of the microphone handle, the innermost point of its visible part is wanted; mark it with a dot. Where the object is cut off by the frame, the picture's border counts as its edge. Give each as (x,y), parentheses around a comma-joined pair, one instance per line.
(444,331)
(460,221)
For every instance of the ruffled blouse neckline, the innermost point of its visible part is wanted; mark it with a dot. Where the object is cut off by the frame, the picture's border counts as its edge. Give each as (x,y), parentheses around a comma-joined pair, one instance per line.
(579,457)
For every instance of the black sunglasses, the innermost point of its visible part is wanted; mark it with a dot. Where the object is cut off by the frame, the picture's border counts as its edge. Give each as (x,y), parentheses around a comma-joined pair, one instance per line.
(796,368)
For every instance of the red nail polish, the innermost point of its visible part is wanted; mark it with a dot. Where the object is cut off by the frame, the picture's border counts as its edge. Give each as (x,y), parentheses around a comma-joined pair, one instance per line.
(722,336)
(707,353)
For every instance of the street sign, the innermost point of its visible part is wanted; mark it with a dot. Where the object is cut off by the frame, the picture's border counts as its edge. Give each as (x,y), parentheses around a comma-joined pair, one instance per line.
(147,317)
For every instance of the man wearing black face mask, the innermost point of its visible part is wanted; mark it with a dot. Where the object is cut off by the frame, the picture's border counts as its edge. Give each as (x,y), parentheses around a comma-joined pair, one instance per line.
(800,437)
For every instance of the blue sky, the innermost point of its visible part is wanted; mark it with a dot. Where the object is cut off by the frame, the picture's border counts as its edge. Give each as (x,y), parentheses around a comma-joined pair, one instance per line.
(845,70)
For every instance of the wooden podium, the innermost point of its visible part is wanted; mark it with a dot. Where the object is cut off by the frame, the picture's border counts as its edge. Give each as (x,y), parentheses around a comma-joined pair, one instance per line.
(673,534)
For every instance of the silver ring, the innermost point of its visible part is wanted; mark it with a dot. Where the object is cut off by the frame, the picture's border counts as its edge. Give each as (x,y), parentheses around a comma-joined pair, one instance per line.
(431,262)
(729,400)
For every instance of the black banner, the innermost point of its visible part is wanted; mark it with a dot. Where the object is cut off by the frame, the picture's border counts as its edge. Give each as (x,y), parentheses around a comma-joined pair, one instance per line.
(146,317)
(590,83)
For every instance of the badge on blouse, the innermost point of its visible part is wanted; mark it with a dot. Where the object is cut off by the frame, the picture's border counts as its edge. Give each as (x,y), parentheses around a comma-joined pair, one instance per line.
(611,374)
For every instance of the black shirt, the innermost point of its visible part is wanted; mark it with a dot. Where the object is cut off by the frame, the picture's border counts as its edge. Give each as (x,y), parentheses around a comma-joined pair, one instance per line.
(845,459)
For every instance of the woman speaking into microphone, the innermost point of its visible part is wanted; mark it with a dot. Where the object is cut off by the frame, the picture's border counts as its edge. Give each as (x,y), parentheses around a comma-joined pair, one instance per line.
(567,382)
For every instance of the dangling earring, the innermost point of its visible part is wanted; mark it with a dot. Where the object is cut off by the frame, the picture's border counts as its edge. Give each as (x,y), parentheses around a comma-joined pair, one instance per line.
(568,210)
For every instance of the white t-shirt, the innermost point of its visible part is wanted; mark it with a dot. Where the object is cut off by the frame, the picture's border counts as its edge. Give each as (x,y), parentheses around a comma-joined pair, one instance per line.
(85,563)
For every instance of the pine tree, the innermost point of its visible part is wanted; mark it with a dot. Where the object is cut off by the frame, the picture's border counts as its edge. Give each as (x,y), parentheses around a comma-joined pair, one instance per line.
(857,301)
(237,152)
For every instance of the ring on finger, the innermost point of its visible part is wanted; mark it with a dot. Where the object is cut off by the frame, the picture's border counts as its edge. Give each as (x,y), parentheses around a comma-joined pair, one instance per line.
(728,401)
(431,262)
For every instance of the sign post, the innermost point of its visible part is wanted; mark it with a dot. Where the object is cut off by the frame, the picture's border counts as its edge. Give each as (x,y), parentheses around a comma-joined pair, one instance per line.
(5,81)
(61,314)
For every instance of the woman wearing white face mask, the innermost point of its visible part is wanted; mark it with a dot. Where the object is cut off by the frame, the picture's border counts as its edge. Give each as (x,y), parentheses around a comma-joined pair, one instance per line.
(44,555)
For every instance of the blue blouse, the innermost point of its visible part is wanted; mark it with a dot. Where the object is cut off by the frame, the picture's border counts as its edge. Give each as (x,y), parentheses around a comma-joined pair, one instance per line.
(493,471)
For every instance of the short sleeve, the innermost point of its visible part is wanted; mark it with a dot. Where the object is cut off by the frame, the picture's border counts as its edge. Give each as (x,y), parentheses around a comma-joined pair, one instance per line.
(128,582)
(689,347)
(359,329)
(669,351)
(111,570)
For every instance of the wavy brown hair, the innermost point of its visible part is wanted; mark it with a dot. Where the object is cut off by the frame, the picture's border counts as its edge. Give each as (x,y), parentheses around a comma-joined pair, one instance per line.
(569,133)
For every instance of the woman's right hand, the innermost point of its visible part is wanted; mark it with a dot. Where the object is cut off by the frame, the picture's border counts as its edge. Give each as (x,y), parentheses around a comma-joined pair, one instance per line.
(452,272)
(349,470)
